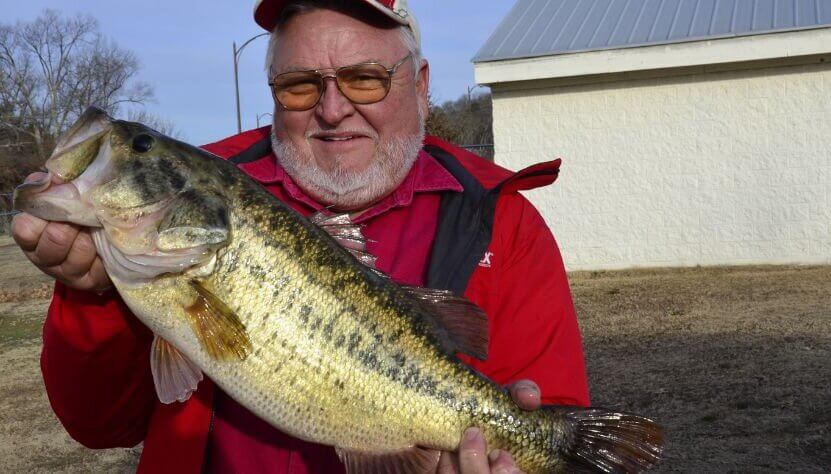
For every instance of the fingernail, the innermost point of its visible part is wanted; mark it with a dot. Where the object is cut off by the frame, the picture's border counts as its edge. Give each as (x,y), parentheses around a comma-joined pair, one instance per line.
(525,386)
(472,434)
(494,455)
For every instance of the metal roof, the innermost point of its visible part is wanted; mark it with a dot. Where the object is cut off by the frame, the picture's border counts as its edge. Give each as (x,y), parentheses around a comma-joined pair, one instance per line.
(550,27)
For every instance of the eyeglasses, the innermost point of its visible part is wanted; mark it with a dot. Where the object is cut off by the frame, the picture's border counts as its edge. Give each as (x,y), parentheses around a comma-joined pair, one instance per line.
(364,83)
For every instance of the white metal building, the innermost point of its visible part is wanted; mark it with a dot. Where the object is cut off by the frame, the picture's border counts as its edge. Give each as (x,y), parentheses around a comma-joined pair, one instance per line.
(692,132)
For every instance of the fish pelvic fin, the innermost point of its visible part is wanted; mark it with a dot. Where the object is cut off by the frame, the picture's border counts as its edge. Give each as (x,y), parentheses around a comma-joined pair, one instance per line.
(174,375)
(600,440)
(414,460)
(218,328)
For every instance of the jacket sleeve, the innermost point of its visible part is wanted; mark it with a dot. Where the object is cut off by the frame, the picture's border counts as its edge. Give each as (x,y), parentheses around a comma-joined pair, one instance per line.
(96,368)
(525,292)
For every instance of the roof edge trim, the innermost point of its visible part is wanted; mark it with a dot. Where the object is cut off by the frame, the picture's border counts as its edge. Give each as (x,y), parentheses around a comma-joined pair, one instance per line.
(732,49)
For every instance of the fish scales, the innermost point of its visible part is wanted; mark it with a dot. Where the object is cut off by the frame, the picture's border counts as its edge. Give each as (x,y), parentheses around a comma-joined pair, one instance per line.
(353,368)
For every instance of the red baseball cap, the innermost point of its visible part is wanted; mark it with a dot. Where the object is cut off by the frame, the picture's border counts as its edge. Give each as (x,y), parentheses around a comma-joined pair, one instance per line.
(266,13)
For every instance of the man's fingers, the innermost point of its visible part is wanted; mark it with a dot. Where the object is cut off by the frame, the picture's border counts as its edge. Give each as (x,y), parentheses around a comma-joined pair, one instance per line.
(101,281)
(473,457)
(54,243)
(94,280)
(501,462)
(79,260)
(26,230)
(526,394)
(448,463)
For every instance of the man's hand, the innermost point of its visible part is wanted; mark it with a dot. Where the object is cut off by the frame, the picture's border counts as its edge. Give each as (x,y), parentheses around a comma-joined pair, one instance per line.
(63,251)
(473,456)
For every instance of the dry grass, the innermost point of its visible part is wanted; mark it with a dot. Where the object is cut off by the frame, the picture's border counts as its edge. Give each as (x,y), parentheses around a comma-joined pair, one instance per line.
(735,363)
(31,438)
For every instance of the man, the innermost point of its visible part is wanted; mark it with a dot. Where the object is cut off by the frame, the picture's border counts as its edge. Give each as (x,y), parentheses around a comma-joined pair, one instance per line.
(350,92)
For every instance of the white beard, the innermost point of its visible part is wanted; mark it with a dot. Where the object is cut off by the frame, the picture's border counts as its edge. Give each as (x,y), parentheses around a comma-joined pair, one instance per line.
(349,189)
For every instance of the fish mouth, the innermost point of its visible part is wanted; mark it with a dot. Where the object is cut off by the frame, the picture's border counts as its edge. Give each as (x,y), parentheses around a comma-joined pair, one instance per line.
(49,198)
(79,161)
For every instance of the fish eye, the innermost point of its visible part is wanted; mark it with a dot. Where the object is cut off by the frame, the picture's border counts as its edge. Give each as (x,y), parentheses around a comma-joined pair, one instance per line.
(142,143)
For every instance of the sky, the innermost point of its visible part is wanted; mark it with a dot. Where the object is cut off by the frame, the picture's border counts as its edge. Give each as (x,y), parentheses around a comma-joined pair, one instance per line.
(185,51)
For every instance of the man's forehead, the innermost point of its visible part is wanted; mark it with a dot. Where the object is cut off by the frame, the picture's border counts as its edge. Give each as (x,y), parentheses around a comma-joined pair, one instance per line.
(328,57)
(340,43)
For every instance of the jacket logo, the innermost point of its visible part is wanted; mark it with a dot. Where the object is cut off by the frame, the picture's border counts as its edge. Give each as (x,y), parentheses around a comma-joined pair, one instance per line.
(486,260)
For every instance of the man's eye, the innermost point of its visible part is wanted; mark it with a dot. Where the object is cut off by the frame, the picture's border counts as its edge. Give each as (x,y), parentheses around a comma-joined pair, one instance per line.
(301,88)
(365,82)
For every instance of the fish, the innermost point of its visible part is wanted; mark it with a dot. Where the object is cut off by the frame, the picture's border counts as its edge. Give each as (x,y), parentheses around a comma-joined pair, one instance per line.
(290,318)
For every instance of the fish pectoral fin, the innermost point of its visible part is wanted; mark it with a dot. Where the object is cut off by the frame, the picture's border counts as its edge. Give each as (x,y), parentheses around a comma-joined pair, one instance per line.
(217,327)
(174,375)
(406,461)
(349,235)
(464,324)
(194,220)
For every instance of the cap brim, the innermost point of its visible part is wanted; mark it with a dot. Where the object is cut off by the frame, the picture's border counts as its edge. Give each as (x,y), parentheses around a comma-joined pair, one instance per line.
(266,12)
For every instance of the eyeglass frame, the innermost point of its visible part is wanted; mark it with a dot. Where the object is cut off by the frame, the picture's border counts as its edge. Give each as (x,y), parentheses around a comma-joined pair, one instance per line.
(334,75)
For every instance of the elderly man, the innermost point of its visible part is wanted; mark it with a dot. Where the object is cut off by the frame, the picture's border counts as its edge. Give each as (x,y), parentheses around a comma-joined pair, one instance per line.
(350,90)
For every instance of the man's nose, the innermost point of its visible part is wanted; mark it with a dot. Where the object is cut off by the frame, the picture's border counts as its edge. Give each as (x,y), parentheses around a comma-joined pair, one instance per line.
(333,106)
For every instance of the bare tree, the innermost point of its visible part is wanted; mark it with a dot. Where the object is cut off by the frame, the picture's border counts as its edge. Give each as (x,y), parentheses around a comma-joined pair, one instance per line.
(51,70)
(155,122)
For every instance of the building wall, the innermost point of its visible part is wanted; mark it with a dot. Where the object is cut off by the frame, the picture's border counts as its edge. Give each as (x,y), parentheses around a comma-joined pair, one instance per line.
(707,169)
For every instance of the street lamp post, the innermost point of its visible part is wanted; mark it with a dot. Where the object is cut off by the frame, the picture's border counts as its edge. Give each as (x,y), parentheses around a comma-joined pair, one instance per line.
(261,116)
(471,88)
(237,53)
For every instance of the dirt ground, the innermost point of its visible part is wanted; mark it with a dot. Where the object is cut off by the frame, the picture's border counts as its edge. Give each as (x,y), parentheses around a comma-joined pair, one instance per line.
(734,363)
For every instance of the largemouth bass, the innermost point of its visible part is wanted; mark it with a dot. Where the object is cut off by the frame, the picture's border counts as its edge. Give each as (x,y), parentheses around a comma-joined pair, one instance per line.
(291,323)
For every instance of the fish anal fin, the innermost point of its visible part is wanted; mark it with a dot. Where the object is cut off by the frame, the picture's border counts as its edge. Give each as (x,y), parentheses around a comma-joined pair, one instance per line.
(217,327)
(413,460)
(174,375)
(465,324)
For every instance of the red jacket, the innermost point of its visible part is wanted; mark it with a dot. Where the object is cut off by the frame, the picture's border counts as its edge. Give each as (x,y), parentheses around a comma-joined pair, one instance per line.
(95,358)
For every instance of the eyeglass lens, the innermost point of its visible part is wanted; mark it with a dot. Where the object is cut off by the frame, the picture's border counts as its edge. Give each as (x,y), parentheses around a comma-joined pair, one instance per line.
(361,84)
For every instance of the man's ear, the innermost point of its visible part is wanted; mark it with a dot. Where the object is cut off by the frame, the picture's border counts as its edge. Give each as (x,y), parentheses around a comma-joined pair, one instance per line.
(423,84)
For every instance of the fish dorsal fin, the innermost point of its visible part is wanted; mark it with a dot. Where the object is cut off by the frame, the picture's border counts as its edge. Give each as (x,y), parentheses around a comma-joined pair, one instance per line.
(196,219)
(346,233)
(465,324)
(414,460)
(174,375)
(217,327)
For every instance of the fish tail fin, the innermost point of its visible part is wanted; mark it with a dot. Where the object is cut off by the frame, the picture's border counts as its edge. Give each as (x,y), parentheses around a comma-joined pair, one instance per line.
(606,441)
